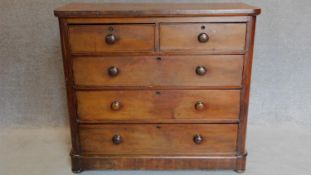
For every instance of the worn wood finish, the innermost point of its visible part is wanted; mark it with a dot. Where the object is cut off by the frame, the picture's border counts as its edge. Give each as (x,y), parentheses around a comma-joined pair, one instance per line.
(163,139)
(221,37)
(92,38)
(245,93)
(157,105)
(153,162)
(144,20)
(177,91)
(163,71)
(71,101)
(155,9)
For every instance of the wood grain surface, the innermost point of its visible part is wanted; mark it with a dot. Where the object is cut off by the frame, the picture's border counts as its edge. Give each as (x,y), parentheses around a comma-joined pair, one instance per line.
(165,139)
(131,37)
(156,105)
(224,70)
(184,36)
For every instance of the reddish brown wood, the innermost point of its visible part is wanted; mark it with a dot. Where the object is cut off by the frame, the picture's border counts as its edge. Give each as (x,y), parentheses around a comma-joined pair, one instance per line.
(247,72)
(71,101)
(92,38)
(158,139)
(167,88)
(155,9)
(159,104)
(153,162)
(162,71)
(221,37)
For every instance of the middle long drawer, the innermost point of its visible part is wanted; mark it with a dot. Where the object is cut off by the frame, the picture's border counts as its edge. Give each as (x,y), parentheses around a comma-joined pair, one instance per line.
(151,105)
(204,70)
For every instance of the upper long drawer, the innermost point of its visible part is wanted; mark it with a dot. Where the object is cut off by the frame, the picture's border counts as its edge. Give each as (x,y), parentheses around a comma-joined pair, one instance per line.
(208,70)
(111,38)
(215,37)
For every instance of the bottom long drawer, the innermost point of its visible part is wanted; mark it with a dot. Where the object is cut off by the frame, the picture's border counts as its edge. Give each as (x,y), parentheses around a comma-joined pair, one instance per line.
(158,139)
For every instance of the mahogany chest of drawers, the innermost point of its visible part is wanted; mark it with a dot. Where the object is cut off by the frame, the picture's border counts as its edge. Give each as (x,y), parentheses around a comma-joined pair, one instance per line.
(158,86)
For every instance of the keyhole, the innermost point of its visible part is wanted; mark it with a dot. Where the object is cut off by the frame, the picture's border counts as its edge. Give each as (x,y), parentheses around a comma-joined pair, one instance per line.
(158,93)
(110,29)
(159,58)
(202,27)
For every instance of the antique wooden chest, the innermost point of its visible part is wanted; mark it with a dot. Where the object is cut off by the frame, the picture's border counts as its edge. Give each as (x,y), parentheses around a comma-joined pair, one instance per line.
(158,86)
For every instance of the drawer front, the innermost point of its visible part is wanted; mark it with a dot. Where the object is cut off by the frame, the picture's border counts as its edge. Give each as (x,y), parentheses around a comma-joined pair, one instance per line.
(157,105)
(209,70)
(216,37)
(158,139)
(111,38)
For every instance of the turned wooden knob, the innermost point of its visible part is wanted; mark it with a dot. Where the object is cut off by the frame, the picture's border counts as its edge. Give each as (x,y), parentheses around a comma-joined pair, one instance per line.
(201,70)
(203,37)
(197,139)
(115,105)
(111,39)
(199,106)
(117,139)
(113,71)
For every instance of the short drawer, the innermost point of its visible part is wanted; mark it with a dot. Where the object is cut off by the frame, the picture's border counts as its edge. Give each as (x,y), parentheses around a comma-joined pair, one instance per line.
(151,105)
(111,38)
(162,139)
(208,70)
(214,37)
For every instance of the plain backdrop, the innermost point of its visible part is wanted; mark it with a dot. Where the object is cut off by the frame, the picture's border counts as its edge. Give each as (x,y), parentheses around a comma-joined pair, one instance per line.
(34,134)
(32,88)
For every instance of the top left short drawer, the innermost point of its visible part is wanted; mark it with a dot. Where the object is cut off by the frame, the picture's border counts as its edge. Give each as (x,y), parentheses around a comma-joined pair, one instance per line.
(111,38)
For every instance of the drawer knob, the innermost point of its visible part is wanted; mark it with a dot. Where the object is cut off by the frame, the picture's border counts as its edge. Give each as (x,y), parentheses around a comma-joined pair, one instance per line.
(113,71)
(201,70)
(199,106)
(117,139)
(197,139)
(203,37)
(115,105)
(111,39)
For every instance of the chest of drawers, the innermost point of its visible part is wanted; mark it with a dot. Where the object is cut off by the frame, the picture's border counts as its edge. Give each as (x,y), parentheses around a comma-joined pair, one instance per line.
(157,86)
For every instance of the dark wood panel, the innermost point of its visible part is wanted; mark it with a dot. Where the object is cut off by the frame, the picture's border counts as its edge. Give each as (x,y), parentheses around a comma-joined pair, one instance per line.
(164,139)
(157,105)
(70,92)
(92,38)
(224,70)
(153,162)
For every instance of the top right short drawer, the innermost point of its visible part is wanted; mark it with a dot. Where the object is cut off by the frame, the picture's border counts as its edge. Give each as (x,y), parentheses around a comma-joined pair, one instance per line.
(213,37)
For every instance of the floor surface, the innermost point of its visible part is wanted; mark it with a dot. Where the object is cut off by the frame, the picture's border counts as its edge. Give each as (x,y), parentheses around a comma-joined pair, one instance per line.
(272,151)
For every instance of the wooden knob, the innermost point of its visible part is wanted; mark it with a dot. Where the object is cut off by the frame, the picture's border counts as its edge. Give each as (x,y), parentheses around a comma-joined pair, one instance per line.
(113,71)
(117,139)
(201,70)
(115,105)
(203,37)
(111,39)
(199,106)
(197,139)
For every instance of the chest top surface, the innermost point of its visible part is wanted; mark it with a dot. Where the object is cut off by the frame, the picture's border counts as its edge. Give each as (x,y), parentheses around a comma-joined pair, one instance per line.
(155,9)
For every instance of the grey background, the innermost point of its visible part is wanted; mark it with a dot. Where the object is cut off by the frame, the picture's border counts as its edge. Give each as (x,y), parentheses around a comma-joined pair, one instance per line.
(32,90)
(34,134)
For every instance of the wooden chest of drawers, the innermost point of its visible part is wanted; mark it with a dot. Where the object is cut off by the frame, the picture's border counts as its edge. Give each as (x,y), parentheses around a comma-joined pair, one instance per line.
(158,86)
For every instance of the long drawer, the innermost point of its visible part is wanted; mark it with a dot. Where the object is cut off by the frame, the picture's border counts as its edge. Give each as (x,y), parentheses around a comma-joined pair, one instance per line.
(164,139)
(158,105)
(207,70)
